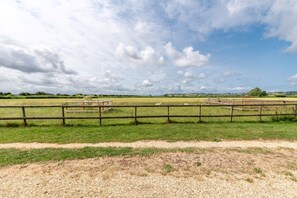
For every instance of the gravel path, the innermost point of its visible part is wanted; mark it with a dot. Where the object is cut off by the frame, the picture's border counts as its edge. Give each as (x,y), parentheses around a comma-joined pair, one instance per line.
(159,144)
(219,173)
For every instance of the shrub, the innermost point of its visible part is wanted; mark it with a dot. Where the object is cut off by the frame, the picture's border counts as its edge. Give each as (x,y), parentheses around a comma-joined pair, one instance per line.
(283,118)
(257,92)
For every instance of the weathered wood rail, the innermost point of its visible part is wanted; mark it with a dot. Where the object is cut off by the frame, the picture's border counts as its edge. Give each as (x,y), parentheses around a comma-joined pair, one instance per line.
(63,117)
(87,106)
(246,104)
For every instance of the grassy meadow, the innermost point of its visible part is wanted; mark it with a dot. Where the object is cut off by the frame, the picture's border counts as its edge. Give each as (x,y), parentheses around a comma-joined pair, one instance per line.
(212,129)
(121,111)
(89,131)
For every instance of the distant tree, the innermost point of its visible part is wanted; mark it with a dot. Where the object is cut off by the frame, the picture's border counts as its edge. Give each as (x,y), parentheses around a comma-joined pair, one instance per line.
(257,92)
(25,94)
(263,93)
(59,94)
(42,93)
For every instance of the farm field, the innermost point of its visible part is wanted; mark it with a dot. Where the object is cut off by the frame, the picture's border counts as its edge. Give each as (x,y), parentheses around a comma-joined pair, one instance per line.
(187,129)
(148,172)
(156,112)
(148,99)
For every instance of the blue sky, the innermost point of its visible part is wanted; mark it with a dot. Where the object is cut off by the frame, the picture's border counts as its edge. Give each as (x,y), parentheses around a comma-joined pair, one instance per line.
(147,46)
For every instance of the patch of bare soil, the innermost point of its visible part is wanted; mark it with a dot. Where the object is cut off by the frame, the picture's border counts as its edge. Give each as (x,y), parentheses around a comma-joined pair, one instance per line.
(202,173)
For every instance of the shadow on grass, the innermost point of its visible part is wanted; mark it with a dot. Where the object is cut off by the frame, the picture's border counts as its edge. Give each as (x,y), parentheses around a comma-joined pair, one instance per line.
(133,123)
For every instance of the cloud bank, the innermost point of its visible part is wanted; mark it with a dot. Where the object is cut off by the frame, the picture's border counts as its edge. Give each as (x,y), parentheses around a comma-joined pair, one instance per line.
(121,47)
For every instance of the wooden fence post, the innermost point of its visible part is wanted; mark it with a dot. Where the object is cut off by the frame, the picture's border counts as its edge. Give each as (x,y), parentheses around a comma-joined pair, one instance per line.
(168,114)
(231,113)
(200,113)
(260,113)
(63,115)
(135,115)
(24,115)
(100,116)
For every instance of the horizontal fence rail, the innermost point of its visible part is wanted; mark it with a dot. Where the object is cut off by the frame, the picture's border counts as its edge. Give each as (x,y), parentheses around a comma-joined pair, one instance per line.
(155,106)
(63,116)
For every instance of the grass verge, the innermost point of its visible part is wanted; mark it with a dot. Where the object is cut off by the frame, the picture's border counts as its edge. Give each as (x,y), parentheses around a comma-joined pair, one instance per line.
(18,156)
(168,132)
(15,156)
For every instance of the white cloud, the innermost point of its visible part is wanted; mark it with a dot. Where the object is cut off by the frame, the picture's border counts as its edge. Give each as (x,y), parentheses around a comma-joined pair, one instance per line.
(192,58)
(147,83)
(229,74)
(188,75)
(203,88)
(123,51)
(281,20)
(202,76)
(145,56)
(161,60)
(278,16)
(66,36)
(293,80)
(143,28)
(179,72)
(207,16)
(191,78)
(70,46)
(240,89)
(171,51)
(188,57)
(31,61)
(158,76)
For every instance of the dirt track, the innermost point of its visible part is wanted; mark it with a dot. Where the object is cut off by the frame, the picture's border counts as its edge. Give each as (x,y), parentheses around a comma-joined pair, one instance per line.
(160,144)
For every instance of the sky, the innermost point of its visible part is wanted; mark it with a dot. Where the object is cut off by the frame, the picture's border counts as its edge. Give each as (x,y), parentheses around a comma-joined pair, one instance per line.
(147,47)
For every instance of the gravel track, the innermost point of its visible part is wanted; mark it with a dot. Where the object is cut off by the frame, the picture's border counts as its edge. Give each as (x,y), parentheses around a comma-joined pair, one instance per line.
(159,144)
(229,169)
(219,173)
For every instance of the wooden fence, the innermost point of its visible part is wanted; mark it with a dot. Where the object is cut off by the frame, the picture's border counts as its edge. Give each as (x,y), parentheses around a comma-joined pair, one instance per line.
(246,104)
(87,106)
(199,115)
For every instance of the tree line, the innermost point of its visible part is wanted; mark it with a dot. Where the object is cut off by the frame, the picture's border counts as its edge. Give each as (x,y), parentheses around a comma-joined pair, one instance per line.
(256,92)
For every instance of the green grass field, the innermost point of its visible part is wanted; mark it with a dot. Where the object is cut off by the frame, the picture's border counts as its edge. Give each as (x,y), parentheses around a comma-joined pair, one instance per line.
(89,131)
(212,129)
(141,111)
(169,132)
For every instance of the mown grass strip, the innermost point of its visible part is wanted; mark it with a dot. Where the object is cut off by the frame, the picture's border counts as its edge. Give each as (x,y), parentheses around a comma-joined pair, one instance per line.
(168,132)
